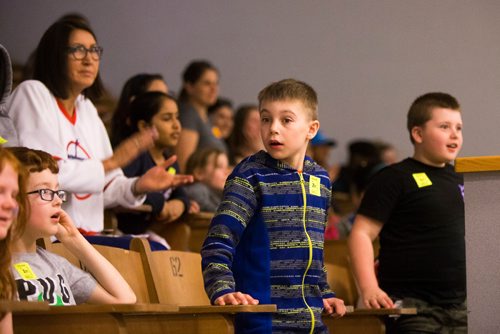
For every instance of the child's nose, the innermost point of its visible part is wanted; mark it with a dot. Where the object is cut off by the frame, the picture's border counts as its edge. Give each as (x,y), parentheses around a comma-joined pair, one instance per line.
(274,127)
(9,203)
(57,201)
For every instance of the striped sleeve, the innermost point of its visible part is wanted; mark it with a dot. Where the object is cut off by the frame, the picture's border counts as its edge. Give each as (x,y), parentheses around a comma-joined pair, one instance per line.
(234,213)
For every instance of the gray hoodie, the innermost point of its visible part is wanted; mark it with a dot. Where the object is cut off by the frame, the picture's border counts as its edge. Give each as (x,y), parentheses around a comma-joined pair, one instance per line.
(7,130)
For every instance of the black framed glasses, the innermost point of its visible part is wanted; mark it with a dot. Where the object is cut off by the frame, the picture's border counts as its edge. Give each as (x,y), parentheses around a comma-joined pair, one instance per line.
(79,52)
(48,194)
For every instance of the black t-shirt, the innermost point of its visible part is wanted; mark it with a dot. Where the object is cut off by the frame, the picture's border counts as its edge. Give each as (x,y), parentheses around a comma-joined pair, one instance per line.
(422,242)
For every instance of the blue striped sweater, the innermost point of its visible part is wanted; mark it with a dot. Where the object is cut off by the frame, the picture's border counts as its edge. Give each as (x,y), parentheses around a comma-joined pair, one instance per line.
(266,240)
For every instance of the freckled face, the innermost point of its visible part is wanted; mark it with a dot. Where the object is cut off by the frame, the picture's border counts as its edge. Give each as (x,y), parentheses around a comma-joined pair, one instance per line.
(44,215)
(8,204)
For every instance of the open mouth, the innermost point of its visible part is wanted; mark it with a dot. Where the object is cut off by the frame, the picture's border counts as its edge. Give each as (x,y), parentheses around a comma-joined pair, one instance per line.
(275,143)
(453,146)
(55,216)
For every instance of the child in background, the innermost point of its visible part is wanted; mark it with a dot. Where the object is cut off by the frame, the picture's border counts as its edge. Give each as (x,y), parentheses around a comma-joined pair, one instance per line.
(159,111)
(12,206)
(210,168)
(121,126)
(416,207)
(221,116)
(245,138)
(41,275)
(265,243)
(360,180)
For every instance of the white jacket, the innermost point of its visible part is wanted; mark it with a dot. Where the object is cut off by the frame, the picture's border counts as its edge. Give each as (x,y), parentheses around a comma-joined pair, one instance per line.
(80,144)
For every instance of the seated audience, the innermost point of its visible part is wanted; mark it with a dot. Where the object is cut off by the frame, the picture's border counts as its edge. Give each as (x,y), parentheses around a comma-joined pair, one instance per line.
(41,275)
(360,179)
(8,133)
(54,113)
(12,211)
(121,128)
(200,89)
(387,152)
(221,117)
(319,150)
(362,153)
(155,110)
(245,139)
(210,169)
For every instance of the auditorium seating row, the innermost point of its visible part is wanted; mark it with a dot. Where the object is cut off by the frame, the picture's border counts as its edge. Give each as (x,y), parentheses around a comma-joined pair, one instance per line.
(171,299)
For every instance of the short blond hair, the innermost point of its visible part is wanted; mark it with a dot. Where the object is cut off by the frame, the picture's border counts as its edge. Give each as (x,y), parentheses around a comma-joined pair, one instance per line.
(291,89)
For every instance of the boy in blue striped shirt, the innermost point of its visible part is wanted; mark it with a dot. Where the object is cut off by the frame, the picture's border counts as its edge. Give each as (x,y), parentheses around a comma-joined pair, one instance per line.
(265,242)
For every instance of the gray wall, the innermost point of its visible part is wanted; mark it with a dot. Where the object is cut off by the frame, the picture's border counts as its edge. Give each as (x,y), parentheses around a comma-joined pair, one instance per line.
(367,59)
(482,234)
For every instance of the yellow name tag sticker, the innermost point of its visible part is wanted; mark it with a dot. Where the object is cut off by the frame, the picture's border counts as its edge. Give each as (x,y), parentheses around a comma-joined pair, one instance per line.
(2,140)
(25,271)
(171,170)
(314,186)
(422,180)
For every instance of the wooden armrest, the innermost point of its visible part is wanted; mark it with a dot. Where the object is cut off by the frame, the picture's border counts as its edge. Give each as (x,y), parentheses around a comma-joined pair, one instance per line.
(145,208)
(229,309)
(108,308)
(20,306)
(201,219)
(383,311)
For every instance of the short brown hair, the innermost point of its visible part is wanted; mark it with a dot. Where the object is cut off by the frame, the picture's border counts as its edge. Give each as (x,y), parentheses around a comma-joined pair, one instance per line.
(421,109)
(35,160)
(200,158)
(291,89)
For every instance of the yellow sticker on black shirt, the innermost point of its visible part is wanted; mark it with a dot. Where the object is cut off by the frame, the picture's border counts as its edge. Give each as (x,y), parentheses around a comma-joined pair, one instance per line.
(314,185)
(422,180)
(24,270)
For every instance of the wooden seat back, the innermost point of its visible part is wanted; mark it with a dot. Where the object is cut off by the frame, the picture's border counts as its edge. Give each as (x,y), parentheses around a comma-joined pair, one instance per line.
(129,264)
(176,275)
(59,249)
(342,283)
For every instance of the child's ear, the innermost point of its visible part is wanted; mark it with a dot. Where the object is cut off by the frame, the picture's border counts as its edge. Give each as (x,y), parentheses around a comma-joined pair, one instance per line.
(198,174)
(313,129)
(416,134)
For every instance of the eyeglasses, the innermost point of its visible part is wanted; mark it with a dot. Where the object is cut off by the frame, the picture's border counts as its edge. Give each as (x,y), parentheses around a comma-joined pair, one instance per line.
(48,194)
(79,52)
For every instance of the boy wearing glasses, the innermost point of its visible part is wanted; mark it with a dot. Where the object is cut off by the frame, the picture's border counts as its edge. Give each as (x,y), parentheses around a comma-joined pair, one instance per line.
(43,276)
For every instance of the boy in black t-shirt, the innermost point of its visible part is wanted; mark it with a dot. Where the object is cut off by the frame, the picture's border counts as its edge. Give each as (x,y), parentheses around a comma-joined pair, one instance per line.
(416,207)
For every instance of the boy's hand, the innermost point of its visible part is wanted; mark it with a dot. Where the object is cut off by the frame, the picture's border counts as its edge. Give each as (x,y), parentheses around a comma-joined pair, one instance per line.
(66,229)
(236,298)
(334,307)
(158,178)
(376,298)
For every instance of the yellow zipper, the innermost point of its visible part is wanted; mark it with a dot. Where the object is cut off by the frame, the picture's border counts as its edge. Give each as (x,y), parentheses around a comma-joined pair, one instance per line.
(309,262)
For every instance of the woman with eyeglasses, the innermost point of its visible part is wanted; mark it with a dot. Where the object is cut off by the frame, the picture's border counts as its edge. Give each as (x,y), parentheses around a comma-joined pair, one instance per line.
(54,113)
